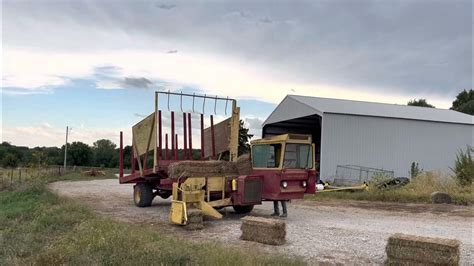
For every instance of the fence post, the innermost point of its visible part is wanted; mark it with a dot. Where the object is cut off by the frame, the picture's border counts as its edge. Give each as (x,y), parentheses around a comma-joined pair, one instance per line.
(19,174)
(11,177)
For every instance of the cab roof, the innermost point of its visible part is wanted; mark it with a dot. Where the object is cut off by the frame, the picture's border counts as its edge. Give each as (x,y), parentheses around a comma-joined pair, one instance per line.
(294,138)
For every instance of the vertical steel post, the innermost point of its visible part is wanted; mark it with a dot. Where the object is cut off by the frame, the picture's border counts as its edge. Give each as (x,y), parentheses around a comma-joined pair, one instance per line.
(190,137)
(202,136)
(213,139)
(166,147)
(133,160)
(160,144)
(121,155)
(176,157)
(155,146)
(185,138)
(172,135)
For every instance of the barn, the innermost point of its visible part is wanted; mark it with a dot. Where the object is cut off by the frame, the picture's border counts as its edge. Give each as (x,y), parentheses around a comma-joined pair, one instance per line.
(355,140)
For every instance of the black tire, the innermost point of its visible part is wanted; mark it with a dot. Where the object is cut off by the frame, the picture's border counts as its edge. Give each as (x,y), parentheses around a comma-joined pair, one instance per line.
(242,209)
(143,194)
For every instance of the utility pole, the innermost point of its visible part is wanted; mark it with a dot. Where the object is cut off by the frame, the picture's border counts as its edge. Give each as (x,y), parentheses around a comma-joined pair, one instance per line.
(65,149)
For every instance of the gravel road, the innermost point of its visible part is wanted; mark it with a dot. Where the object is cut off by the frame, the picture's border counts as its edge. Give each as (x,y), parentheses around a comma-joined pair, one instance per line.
(334,232)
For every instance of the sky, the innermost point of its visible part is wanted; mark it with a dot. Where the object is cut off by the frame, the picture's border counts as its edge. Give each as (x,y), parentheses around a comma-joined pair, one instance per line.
(94,65)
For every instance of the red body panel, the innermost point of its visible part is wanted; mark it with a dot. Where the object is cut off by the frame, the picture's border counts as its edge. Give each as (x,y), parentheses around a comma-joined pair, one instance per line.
(273,179)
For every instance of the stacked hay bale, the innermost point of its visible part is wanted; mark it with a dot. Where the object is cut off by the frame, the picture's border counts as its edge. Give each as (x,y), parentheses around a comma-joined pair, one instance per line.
(416,250)
(202,169)
(263,230)
(244,164)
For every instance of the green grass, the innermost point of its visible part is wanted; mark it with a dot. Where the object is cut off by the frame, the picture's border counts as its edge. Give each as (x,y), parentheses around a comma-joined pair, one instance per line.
(417,191)
(37,227)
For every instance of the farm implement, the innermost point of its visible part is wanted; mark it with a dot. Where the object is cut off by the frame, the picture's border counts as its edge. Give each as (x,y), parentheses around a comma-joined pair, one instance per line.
(203,180)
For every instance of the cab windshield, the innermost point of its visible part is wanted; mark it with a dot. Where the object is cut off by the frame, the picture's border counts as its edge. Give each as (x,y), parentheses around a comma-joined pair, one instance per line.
(298,156)
(266,155)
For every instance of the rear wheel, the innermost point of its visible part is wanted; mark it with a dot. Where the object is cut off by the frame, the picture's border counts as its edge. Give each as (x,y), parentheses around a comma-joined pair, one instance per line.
(143,194)
(242,209)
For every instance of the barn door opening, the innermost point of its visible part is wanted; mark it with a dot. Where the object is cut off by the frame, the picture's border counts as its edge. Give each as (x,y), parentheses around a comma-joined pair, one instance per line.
(310,125)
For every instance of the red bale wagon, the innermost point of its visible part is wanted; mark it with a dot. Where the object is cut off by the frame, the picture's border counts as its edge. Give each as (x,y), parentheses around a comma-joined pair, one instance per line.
(279,168)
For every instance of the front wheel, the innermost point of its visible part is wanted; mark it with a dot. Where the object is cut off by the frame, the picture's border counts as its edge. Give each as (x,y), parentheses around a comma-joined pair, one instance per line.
(242,209)
(143,194)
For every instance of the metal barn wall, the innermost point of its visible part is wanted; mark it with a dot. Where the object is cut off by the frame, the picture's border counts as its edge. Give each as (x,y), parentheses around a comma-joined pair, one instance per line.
(390,143)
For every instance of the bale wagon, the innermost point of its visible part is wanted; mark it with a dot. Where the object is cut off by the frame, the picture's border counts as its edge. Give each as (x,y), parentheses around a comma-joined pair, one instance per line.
(278,168)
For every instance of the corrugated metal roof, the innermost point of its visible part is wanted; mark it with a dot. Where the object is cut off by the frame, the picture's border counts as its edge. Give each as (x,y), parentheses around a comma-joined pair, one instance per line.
(338,106)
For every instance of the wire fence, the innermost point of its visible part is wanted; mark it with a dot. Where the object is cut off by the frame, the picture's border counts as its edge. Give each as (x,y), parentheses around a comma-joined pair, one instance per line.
(12,176)
(347,175)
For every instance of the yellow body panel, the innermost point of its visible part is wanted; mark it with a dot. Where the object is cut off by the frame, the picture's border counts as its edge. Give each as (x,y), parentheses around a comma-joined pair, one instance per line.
(178,213)
(209,210)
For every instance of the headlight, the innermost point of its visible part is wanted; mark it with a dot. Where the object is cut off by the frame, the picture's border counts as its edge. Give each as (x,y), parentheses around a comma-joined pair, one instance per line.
(304,183)
(284,184)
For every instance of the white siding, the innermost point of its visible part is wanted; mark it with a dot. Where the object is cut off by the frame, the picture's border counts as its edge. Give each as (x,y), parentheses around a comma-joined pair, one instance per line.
(289,109)
(390,143)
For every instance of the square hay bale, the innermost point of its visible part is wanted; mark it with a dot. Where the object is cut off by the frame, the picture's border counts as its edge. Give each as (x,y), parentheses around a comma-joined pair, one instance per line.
(195,220)
(413,250)
(244,164)
(202,169)
(263,230)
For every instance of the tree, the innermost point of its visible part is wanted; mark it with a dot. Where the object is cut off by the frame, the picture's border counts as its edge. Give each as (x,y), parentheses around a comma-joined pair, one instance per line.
(420,102)
(244,137)
(39,157)
(104,153)
(10,160)
(464,102)
(79,153)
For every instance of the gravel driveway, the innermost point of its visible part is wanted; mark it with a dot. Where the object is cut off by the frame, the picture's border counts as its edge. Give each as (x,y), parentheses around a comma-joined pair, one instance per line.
(321,232)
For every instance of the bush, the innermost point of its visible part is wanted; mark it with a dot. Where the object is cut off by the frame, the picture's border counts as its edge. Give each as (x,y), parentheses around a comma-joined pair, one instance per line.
(415,170)
(10,161)
(464,167)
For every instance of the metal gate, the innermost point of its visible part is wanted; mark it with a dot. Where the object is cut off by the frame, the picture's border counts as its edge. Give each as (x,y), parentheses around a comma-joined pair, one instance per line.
(356,174)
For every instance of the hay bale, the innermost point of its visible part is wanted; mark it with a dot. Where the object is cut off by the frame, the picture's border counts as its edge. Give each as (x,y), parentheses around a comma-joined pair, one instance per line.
(263,230)
(195,220)
(413,250)
(440,197)
(201,169)
(244,164)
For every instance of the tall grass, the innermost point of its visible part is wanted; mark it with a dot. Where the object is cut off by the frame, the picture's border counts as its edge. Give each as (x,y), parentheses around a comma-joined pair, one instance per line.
(37,227)
(418,191)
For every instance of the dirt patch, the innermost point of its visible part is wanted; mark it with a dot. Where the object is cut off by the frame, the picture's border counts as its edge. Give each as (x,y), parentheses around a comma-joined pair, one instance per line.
(441,209)
(327,232)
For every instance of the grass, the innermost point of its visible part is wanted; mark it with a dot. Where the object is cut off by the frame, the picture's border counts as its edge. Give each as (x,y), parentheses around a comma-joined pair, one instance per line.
(417,191)
(38,227)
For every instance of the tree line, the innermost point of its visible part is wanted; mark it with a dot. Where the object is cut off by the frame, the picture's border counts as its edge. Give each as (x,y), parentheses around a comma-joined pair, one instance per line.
(463,103)
(103,153)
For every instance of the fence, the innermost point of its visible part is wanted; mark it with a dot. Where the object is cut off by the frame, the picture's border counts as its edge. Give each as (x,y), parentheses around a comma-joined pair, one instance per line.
(10,176)
(347,175)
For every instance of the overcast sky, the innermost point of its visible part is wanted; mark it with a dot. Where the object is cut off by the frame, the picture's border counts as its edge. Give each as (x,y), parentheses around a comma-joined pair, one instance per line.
(386,51)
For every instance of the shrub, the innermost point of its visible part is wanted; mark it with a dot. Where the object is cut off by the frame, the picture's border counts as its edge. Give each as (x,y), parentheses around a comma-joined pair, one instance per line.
(415,170)
(464,167)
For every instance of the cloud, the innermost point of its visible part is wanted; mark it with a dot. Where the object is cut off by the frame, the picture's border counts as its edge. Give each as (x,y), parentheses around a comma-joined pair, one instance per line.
(172,51)
(140,83)
(166,6)
(45,134)
(368,48)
